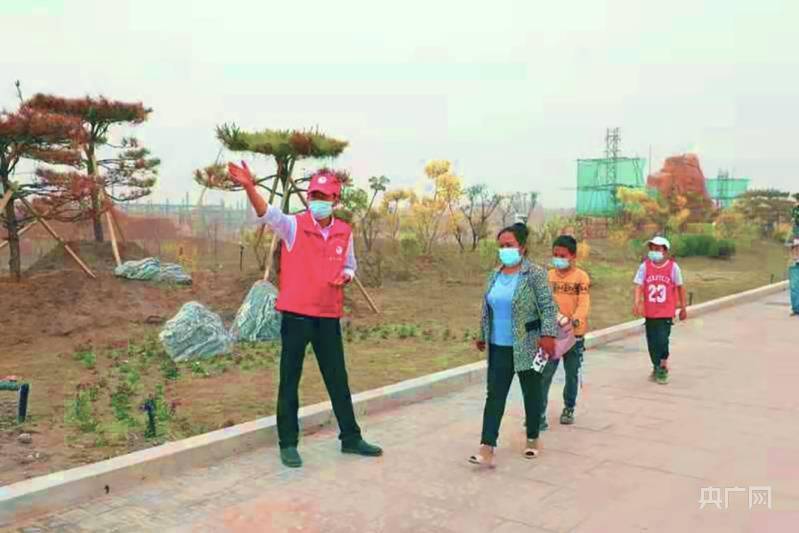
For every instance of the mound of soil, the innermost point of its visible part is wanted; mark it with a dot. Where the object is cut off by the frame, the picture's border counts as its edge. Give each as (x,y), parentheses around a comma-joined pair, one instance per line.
(99,256)
(64,307)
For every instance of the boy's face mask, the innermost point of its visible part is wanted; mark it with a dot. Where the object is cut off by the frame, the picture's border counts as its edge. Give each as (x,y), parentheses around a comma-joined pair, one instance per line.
(560,263)
(656,255)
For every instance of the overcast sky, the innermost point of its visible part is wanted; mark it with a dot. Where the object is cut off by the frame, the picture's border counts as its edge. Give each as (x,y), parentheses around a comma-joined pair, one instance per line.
(511,91)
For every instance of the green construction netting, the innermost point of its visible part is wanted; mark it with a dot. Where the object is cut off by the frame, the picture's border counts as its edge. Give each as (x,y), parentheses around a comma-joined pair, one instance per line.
(596,186)
(724,190)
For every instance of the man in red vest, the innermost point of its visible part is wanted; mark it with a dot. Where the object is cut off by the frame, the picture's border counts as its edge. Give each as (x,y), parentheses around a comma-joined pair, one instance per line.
(316,261)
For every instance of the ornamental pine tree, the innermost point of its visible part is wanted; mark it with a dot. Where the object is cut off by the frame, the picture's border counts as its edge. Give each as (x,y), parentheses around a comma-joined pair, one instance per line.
(29,133)
(285,147)
(121,173)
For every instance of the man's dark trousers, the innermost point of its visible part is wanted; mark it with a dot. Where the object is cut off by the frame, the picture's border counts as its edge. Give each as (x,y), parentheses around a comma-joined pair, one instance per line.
(324,334)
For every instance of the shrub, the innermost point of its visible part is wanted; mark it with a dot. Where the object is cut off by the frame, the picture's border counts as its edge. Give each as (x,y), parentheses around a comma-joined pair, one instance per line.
(121,403)
(88,359)
(782,233)
(78,412)
(410,247)
(637,248)
(487,249)
(700,228)
(679,247)
(701,246)
(726,248)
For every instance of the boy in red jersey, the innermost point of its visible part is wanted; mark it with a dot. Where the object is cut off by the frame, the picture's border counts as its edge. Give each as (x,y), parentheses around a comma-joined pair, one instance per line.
(659,289)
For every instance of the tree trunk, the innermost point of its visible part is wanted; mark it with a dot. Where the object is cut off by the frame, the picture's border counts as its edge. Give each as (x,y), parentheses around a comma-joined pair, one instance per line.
(91,169)
(14,261)
(367,242)
(97,217)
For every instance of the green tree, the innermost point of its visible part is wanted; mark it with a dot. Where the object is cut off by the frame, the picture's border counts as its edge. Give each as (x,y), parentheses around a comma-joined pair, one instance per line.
(283,147)
(371,219)
(766,207)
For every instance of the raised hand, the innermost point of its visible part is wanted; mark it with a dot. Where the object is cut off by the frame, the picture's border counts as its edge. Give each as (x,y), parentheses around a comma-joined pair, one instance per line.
(241,174)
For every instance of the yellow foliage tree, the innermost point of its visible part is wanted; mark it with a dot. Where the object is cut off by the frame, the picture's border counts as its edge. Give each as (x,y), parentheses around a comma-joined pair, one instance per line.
(428,212)
(583,251)
(729,224)
(639,209)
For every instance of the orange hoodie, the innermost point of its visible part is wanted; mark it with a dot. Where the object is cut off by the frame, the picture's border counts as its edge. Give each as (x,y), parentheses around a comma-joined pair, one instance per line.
(571,293)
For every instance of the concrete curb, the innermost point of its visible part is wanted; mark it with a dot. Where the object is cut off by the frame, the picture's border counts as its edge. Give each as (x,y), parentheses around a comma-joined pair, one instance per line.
(628,329)
(27,499)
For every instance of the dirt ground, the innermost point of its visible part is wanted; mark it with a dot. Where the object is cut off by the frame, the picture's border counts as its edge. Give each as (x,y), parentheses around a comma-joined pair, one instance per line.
(57,312)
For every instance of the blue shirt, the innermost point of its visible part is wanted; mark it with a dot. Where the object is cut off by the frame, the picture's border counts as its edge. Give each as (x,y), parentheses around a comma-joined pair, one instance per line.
(500,299)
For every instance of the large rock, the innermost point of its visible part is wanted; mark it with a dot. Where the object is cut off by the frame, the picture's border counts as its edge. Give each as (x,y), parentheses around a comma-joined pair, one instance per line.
(194,333)
(151,269)
(257,319)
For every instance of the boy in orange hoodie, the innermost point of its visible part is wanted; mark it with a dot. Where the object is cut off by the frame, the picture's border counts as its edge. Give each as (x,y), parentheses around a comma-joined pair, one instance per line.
(570,288)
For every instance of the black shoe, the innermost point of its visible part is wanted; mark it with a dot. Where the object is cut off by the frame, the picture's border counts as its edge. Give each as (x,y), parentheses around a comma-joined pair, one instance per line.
(290,457)
(361,447)
(567,416)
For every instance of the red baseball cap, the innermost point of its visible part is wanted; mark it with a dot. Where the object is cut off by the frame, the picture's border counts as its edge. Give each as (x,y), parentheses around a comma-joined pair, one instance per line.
(325,182)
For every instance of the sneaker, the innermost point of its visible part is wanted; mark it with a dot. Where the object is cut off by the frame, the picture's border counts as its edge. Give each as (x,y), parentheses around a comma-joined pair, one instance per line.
(361,447)
(662,376)
(567,416)
(290,457)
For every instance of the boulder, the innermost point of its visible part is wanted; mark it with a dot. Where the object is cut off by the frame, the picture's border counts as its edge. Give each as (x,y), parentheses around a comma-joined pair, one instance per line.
(257,318)
(195,333)
(151,269)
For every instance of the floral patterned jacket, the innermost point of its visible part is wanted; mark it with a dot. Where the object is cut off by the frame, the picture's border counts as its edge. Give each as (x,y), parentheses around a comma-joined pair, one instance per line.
(534,313)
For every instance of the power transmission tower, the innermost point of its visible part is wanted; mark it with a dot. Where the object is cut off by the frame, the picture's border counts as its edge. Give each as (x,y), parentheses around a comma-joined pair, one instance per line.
(612,141)
(725,194)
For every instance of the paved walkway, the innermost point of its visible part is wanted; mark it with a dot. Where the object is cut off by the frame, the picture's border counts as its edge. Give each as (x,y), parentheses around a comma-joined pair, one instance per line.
(636,460)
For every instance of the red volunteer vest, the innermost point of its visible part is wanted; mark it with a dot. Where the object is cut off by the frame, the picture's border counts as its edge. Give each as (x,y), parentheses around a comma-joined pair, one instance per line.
(307,270)
(660,291)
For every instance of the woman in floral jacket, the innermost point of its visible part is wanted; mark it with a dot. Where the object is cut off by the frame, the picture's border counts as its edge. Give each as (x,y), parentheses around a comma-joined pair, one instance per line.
(519,316)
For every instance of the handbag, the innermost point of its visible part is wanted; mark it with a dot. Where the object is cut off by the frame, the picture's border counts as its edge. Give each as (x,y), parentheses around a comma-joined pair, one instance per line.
(565,340)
